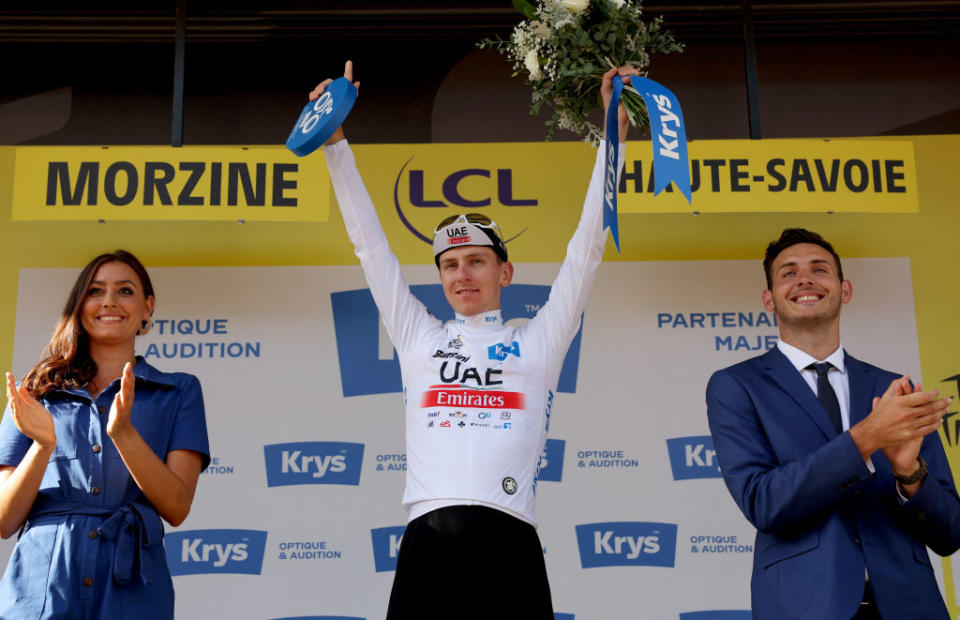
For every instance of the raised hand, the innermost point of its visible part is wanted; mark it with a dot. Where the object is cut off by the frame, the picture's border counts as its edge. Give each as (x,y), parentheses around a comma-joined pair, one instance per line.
(606,92)
(31,418)
(119,419)
(322,86)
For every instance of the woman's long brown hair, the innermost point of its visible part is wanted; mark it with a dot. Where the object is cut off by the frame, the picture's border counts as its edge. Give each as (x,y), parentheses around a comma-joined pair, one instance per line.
(66,361)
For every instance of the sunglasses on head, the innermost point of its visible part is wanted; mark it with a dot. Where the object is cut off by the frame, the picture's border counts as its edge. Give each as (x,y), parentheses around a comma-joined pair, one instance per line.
(477,219)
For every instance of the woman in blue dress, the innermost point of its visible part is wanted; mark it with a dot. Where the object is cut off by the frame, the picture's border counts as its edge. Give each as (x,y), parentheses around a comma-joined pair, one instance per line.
(96,446)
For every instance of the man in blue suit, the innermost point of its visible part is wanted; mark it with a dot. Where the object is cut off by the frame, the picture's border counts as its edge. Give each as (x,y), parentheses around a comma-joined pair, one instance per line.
(837,463)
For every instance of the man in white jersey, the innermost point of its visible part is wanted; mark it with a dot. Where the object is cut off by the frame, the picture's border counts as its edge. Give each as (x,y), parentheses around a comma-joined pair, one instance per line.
(470,548)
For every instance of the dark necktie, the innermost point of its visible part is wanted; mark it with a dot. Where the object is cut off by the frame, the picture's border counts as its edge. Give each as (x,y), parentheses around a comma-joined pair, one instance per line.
(828,398)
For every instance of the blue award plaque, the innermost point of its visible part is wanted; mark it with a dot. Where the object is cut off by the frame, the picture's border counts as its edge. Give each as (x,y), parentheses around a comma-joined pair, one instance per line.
(320,118)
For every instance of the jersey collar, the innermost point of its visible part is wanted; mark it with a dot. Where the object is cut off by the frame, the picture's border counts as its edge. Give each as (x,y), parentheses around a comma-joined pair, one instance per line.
(488,319)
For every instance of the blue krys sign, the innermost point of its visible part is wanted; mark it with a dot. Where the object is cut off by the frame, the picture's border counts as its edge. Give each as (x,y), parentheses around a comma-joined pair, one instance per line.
(196,552)
(386,547)
(313,462)
(693,457)
(551,461)
(627,543)
(718,614)
(365,370)
(321,117)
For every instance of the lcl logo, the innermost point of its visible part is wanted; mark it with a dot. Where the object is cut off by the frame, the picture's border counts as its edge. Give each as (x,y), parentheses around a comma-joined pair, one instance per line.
(425,191)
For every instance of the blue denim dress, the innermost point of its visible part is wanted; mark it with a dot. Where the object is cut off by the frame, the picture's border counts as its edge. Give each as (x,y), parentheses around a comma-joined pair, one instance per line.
(92,546)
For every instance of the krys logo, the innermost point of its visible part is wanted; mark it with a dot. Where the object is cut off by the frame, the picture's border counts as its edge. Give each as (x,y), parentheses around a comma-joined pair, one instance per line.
(469,188)
(313,462)
(693,457)
(215,551)
(501,351)
(368,362)
(551,461)
(626,543)
(386,547)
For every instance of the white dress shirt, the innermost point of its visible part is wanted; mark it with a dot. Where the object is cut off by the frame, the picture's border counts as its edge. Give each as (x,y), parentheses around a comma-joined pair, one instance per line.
(837,375)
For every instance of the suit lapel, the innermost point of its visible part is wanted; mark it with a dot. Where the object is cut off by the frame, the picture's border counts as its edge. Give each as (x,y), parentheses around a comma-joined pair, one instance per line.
(788,378)
(861,388)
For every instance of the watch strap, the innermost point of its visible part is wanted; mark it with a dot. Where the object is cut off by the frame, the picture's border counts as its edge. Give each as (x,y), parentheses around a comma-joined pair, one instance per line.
(916,476)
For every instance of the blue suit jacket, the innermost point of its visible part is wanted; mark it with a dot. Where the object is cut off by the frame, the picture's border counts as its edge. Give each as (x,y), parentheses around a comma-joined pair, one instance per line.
(821,515)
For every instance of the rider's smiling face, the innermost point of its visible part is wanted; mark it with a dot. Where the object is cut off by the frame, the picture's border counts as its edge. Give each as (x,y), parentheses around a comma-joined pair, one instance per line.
(472,277)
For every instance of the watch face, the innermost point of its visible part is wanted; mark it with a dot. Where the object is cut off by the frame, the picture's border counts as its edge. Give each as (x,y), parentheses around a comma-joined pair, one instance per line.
(509,485)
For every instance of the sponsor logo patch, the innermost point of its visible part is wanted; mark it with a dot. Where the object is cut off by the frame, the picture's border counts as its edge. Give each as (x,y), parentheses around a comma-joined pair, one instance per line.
(500,351)
(459,396)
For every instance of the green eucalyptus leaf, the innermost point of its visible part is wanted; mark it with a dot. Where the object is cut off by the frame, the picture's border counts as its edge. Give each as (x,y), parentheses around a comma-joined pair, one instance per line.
(525,8)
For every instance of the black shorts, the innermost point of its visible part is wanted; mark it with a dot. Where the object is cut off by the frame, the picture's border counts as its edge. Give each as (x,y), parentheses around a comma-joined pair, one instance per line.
(464,562)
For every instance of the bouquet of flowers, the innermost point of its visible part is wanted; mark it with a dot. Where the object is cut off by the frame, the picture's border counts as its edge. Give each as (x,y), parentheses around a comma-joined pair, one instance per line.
(565,47)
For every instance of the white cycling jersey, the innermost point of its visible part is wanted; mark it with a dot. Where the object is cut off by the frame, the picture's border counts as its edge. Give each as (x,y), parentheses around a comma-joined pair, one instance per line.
(478,392)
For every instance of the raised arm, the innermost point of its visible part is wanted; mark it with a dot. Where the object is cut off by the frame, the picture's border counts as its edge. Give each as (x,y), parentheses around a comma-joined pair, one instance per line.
(170,485)
(19,484)
(560,316)
(402,313)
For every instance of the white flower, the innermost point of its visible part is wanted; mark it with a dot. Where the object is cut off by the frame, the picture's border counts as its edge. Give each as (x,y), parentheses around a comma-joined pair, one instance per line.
(540,29)
(533,65)
(575,6)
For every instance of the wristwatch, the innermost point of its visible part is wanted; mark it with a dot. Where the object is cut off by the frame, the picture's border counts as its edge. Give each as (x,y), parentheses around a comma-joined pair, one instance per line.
(916,476)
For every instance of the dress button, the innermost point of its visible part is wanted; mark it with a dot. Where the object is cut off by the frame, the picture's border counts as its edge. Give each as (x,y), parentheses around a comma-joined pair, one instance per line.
(102,409)
(93,534)
(88,581)
(96,448)
(95,490)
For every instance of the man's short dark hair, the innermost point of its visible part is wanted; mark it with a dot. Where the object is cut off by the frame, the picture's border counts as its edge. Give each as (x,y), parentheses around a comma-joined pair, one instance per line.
(793,236)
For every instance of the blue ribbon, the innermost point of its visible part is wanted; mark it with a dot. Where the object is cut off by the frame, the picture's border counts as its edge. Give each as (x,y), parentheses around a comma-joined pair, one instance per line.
(612,163)
(668,134)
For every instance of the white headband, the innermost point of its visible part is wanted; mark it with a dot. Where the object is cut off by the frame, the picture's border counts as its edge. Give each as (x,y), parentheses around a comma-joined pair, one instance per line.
(459,234)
